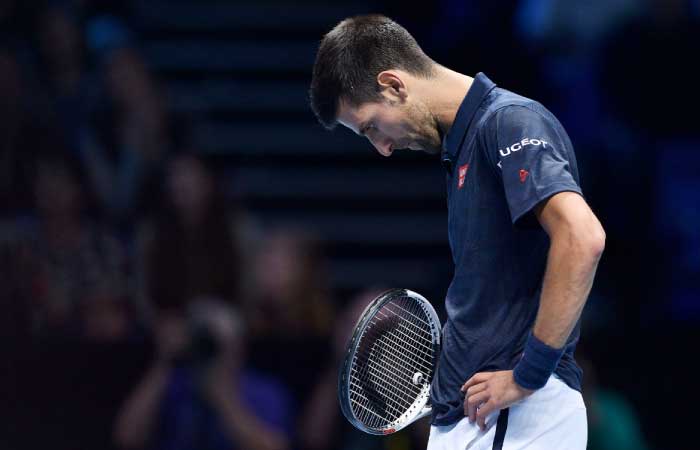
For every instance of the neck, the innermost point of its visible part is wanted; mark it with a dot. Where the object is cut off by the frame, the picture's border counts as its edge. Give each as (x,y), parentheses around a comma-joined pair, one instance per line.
(447,91)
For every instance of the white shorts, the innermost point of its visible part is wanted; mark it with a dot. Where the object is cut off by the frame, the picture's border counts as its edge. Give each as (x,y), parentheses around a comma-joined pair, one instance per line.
(552,418)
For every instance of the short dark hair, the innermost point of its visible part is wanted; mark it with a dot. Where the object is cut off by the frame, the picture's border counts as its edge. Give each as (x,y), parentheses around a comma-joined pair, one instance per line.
(351,56)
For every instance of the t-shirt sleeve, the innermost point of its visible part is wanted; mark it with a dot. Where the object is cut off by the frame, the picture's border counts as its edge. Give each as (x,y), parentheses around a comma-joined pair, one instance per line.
(531,155)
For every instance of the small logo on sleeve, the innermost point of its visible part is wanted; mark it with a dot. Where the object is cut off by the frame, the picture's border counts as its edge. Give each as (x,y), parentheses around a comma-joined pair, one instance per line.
(523,175)
(462,173)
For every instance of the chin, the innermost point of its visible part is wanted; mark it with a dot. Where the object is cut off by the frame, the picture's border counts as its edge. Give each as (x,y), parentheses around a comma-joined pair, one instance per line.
(428,146)
(431,149)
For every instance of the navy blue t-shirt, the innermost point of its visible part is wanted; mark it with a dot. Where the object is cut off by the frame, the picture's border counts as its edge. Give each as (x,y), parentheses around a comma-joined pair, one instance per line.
(504,154)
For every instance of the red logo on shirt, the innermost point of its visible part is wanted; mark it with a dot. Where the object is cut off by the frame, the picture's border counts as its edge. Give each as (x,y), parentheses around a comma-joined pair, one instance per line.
(462,173)
(523,175)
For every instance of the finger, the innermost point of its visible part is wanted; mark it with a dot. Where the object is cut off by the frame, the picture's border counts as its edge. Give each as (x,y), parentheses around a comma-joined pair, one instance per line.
(476,389)
(473,390)
(481,422)
(472,404)
(483,412)
(476,379)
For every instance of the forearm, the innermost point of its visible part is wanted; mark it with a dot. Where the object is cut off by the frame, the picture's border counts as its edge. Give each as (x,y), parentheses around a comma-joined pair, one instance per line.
(136,419)
(571,267)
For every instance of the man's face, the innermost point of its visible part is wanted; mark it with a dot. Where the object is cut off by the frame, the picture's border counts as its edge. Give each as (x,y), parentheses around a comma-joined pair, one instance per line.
(392,124)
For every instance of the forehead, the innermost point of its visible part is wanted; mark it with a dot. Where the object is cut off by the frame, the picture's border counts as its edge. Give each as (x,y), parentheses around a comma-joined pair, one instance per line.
(354,116)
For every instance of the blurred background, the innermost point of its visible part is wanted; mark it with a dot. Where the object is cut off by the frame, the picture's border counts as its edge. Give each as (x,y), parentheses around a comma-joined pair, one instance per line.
(184,250)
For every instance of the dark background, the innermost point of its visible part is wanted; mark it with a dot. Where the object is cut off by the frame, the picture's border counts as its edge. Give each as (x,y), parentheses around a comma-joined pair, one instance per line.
(226,83)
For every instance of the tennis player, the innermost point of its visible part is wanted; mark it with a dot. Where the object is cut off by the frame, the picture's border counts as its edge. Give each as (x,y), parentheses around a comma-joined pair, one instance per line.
(524,242)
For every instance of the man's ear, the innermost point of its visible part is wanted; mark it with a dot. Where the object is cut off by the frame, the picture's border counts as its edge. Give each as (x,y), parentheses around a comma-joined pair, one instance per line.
(392,85)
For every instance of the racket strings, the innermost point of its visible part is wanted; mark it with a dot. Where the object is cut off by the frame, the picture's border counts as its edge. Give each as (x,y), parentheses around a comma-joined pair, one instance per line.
(386,383)
(419,352)
(395,346)
(376,389)
(392,382)
(380,385)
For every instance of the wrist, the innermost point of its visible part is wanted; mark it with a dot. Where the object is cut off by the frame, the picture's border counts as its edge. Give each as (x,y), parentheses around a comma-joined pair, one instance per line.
(537,364)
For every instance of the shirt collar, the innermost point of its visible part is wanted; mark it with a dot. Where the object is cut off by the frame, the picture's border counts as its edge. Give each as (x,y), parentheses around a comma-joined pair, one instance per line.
(451,144)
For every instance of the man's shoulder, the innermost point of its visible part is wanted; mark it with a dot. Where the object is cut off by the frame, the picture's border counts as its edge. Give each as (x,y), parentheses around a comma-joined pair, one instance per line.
(508,106)
(505,101)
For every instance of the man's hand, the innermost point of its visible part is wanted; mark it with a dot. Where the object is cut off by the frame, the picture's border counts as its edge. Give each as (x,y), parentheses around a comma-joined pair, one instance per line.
(486,392)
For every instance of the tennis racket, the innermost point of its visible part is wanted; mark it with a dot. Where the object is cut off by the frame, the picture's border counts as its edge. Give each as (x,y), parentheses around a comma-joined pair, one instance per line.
(384,381)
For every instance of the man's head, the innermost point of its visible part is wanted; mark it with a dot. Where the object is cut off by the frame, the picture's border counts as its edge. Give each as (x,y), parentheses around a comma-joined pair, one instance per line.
(365,77)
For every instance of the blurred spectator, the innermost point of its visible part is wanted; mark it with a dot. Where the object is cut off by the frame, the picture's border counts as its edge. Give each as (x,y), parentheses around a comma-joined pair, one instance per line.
(128,137)
(199,395)
(290,311)
(92,81)
(290,307)
(70,271)
(194,248)
(291,295)
(195,244)
(63,66)
(612,421)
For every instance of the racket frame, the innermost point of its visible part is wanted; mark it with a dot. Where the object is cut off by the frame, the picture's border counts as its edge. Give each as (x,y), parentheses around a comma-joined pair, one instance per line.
(420,407)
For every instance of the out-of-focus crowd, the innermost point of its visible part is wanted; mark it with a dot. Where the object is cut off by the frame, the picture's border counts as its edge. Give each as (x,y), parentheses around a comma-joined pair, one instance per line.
(142,307)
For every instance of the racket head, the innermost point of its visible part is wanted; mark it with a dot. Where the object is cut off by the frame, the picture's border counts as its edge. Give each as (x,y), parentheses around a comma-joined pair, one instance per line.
(384,380)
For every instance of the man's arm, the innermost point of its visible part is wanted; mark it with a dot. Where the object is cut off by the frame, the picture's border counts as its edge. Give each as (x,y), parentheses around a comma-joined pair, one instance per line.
(577,240)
